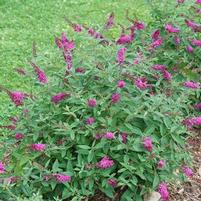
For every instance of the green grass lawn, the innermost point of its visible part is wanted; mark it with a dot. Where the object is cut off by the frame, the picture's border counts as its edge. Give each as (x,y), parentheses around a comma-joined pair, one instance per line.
(25,21)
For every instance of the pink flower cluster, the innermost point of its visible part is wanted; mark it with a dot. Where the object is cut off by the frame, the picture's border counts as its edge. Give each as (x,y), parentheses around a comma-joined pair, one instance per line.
(155,35)
(162,69)
(161,164)
(68,59)
(137,25)
(156,39)
(125,39)
(38,147)
(163,190)
(2,168)
(157,43)
(187,171)
(190,122)
(196,42)
(112,182)
(17,97)
(177,40)
(115,98)
(170,29)
(198,106)
(92,102)
(124,138)
(67,46)
(14,119)
(110,21)
(93,33)
(77,27)
(9,127)
(198,11)
(59,97)
(19,136)
(147,143)
(189,49)
(141,83)
(166,75)
(195,27)
(105,163)
(41,75)
(42,78)
(121,55)
(62,178)
(198,1)
(159,67)
(107,135)
(191,84)
(80,70)
(121,84)
(90,120)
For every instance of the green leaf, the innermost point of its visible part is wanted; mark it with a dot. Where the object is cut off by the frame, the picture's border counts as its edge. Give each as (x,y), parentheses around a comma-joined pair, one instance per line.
(137,145)
(84,146)
(127,195)
(138,198)
(150,129)
(65,193)
(90,156)
(134,180)
(156,181)
(53,185)
(177,139)
(119,147)
(55,166)
(72,134)
(108,191)
(63,153)
(140,174)
(167,122)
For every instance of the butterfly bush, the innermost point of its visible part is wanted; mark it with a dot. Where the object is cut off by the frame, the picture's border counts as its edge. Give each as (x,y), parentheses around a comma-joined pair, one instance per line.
(113,114)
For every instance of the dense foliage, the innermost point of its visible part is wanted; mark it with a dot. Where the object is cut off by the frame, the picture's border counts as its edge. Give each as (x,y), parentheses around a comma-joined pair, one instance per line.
(115,117)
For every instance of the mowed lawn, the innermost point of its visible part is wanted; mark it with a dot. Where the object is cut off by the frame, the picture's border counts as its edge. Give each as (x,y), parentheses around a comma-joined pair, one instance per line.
(25,21)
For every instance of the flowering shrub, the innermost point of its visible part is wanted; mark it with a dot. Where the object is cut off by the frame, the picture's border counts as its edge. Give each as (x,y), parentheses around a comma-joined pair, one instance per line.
(114,117)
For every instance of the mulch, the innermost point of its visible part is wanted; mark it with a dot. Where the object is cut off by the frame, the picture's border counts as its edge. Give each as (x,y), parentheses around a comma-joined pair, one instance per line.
(191,190)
